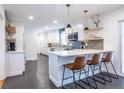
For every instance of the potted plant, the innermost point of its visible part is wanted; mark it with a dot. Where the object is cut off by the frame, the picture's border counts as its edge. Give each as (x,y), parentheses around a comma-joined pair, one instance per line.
(96,20)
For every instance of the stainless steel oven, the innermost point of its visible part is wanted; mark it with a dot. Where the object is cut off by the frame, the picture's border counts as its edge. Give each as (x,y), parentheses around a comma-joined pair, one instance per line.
(73,36)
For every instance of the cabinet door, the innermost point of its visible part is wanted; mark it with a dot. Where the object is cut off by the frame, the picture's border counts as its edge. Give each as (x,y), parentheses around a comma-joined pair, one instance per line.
(7,64)
(16,64)
(81,34)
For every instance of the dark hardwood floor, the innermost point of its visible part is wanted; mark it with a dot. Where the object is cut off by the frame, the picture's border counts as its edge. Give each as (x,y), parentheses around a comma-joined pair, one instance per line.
(36,77)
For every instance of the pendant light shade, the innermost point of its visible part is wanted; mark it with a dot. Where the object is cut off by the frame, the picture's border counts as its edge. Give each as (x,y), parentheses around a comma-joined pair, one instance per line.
(86,21)
(68,25)
(86,28)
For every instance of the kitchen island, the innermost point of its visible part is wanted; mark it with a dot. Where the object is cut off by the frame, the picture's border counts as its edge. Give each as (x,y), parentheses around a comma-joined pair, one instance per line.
(59,58)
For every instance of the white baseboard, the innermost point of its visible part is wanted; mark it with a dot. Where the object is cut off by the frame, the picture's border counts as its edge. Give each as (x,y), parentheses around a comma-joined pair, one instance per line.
(32,60)
(2,77)
(54,81)
(14,73)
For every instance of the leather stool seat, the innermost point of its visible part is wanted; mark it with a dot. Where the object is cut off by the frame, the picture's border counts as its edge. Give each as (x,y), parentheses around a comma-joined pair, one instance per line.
(69,66)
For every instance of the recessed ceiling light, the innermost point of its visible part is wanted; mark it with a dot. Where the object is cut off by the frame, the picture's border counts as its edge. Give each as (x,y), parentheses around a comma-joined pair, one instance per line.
(55,21)
(46,27)
(30,17)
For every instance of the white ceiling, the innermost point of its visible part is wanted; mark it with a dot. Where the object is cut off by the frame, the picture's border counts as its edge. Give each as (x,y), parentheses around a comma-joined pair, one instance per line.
(45,14)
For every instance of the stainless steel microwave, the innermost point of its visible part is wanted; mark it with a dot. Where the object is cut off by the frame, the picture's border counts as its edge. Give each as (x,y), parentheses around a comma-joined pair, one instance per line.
(73,36)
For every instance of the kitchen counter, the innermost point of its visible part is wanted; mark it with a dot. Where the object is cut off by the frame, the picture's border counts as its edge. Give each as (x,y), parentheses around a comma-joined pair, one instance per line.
(13,52)
(58,58)
(75,52)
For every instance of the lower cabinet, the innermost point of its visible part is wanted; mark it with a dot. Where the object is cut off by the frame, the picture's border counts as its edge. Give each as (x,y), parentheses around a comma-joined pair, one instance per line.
(15,63)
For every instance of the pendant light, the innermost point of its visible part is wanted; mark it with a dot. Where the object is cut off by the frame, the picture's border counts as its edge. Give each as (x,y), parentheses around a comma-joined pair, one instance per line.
(86,21)
(69,27)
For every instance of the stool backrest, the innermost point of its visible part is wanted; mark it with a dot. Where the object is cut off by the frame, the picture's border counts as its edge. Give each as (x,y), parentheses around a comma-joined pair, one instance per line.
(96,59)
(80,62)
(109,57)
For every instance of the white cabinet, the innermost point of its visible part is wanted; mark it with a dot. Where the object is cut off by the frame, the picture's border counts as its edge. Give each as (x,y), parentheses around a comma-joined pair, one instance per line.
(15,63)
(19,36)
(53,37)
(81,35)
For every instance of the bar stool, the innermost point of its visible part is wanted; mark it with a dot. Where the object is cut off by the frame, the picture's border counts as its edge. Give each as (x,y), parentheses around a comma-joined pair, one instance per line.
(96,59)
(78,65)
(106,60)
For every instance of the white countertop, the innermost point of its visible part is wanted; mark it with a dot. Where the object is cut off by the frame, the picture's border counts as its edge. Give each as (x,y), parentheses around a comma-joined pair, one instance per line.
(13,52)
(75,52)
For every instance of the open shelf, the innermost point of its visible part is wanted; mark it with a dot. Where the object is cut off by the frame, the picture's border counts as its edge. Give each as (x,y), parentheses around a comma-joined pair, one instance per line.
(95,29)
(94,39)
(11,40)
(11,29)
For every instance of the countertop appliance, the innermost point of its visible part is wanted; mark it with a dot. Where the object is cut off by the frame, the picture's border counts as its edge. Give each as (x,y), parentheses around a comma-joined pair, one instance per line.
(11,46)
(73,36)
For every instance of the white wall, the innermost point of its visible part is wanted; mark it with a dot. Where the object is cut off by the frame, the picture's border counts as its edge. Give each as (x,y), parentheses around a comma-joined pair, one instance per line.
(31,44)
(2,45)
(112,34)
(42,41)
(2,12)
(19,36)
(53,37)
